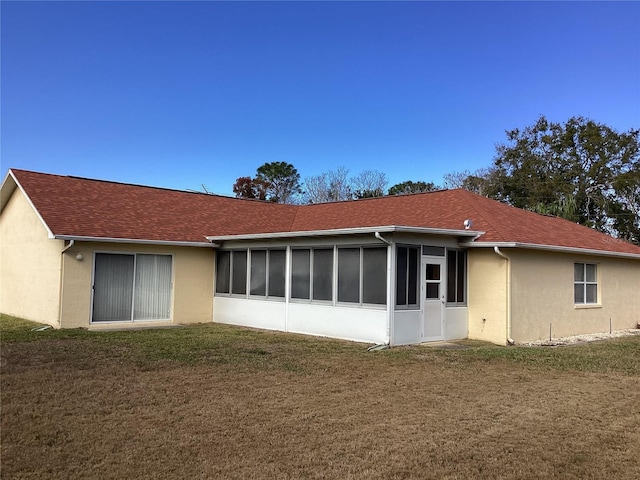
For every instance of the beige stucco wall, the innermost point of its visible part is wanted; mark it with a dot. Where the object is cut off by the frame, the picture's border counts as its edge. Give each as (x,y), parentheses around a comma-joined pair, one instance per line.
(487,277)
(192,282)
(30,264)
(542,295)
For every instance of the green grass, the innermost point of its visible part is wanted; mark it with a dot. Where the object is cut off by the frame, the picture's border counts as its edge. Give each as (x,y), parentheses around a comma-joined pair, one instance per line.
(194,344)
(251,349)
(612,355)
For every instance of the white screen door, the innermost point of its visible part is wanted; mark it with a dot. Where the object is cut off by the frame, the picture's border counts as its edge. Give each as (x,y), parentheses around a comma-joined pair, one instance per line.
(433,296)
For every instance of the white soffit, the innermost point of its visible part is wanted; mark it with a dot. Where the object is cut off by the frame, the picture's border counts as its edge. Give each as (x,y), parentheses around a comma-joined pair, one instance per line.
(551,248)
(347,231)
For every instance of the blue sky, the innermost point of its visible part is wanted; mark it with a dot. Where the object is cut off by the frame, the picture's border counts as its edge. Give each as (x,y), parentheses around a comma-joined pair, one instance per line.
(180,94)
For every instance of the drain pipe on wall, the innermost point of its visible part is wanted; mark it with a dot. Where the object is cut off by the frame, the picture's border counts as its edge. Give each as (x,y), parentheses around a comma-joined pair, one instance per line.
(61,292)
(387,340)
(381,238)
(69,245)
(510,340)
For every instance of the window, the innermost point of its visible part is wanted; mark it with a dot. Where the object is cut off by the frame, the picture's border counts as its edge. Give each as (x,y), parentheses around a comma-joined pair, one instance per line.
(239,272)
(349,275)
(407,267)
(300,273)
(323,274)
(223,272)
(433,281)
(374,276)
(433,251)
(130,287)
(362,275)
(585,283)
(456,276)
(266,272)
(275,286)
(258,273)
(312,274)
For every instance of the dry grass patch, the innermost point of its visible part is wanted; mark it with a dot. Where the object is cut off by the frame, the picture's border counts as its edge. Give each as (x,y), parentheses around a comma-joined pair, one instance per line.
(211,401)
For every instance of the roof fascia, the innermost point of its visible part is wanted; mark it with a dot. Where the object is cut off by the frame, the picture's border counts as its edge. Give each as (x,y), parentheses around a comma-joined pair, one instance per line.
(135,241)
(551,248)
(6,194)
(347,231)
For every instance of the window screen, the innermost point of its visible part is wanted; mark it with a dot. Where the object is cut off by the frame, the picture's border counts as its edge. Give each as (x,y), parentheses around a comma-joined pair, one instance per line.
(407,268)
(456,276)
(323,273)
(300,273)
(374,275)
(239,272)
(349,275)
(258,272)
(223,272)
(276,273)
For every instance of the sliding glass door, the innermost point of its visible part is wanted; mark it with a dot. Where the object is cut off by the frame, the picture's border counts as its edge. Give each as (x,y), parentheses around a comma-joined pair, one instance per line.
(129,287)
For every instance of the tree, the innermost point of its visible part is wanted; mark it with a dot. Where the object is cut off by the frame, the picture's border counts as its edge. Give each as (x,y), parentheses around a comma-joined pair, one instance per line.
(479,182)
(282,179)
(369,183)
(581,170)
(247,187)
(330,186)
(407,187)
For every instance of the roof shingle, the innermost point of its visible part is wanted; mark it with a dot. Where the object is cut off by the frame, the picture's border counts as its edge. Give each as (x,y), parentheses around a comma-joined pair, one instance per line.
(72,206)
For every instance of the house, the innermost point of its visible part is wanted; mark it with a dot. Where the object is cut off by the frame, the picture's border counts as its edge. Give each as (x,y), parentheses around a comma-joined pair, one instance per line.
(449,264)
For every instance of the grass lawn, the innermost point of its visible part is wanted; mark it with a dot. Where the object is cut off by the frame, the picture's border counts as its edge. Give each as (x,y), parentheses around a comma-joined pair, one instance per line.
(213,401)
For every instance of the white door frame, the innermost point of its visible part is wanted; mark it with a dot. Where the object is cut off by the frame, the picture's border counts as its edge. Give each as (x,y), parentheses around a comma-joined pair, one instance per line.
(433,285)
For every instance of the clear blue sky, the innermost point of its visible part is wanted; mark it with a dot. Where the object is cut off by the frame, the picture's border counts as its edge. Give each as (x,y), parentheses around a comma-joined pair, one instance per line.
(179,94)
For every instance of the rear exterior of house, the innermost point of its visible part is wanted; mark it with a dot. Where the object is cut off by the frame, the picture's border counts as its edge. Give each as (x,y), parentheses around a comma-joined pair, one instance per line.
(95,284)
(384,286)
(535,294)
(392,270)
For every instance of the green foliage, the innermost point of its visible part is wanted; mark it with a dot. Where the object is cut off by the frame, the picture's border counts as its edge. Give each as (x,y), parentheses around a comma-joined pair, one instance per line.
(283,181)
(277,182)
(412,187)
(581,170)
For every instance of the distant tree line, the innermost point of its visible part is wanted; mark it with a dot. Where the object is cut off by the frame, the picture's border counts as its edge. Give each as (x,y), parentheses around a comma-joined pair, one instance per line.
(280,182)
(580,170)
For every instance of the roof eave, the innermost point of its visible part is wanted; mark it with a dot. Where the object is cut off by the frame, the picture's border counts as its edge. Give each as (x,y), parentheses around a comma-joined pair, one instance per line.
(169,243)
(552,248)
(347,231)
(9,185)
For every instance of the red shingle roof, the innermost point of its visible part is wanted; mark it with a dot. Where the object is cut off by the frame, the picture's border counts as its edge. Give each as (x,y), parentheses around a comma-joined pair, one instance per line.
(80,207)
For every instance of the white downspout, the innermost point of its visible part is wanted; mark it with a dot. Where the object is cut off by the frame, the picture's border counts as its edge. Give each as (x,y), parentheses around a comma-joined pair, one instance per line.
(510,340)
(68,246)
(389,285)
(61,292)
(381,238)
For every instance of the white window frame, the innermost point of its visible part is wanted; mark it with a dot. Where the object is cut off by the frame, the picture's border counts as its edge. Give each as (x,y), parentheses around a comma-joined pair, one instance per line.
(456,277)
(419,254)
(584,283)
(267,285)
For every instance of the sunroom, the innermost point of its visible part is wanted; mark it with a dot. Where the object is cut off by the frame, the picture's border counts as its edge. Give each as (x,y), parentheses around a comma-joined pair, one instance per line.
(388,285)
